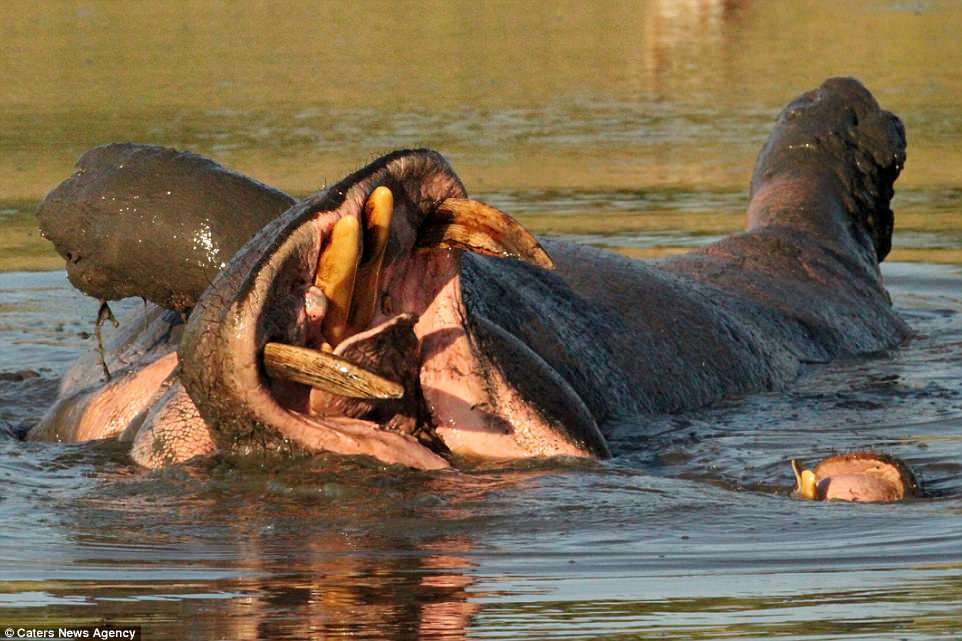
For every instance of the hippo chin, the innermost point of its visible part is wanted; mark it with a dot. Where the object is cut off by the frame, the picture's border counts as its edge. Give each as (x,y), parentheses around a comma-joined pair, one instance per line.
(390,316)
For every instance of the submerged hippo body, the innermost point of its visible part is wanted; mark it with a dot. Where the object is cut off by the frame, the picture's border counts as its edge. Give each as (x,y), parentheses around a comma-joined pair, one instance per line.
(503,358)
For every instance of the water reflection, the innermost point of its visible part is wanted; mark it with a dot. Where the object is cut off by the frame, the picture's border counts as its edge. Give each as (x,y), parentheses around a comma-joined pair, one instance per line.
(313,548)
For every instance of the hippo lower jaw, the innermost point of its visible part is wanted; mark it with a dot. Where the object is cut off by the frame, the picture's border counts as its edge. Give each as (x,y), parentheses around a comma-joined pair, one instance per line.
(419,333)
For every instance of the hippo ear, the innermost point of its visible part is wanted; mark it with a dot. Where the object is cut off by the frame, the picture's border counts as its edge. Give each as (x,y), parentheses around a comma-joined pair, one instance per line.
(459,223)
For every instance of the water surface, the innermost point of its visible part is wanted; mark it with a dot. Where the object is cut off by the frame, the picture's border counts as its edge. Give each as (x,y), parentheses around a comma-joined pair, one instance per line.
(628,127)
(690,531)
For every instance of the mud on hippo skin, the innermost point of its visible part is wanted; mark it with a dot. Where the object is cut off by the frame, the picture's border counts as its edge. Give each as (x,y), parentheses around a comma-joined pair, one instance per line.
(516,361)
(606,337)
(838,136)
(140,220)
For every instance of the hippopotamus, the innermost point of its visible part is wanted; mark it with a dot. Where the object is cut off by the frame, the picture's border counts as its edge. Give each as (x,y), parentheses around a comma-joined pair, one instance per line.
(140,220)
(857,477)
(391,316)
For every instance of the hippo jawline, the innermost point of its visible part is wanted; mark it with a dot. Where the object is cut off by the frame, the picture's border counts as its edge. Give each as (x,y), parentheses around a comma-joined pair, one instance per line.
(419,333)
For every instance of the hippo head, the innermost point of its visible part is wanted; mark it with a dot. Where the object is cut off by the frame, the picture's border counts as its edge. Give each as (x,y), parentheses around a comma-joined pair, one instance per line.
(340,327)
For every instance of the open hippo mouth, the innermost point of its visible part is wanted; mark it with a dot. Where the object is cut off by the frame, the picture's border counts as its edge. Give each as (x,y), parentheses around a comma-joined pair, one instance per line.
(340,325)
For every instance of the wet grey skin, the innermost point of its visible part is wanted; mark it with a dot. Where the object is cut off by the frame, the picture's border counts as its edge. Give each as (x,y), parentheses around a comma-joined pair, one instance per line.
(516,360)
(153,222)
(602,337)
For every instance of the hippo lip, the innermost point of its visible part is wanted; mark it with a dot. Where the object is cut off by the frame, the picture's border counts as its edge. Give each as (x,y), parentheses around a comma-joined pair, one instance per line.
(264,294)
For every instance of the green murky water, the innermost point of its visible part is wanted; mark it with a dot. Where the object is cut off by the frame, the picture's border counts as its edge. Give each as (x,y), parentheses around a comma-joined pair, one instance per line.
(651,111)
(632,126)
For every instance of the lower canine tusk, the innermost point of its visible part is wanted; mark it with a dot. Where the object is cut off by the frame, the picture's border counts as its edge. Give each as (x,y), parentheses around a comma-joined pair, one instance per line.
(378,211)
(326,372)
(336,272)
(805,486)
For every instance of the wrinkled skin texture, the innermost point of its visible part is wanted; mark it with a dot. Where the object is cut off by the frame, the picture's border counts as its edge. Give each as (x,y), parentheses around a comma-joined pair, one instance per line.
(518,361)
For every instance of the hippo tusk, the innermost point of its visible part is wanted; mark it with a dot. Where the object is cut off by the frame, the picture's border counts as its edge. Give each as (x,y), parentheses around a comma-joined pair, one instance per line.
(326,372)
(866,477)
(336,273)
(475,226)
(378,211)
(804,482)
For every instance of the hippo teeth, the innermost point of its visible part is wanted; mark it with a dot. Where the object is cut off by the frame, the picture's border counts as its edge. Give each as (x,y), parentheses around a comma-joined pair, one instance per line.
(336,274)
(349,267)
(805,486)
(326,372)
(478,227)
(378,211)
(343,299)
(348,276)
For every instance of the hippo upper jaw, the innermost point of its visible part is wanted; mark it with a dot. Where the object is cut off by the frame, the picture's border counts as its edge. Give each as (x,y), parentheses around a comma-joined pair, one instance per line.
(418,335)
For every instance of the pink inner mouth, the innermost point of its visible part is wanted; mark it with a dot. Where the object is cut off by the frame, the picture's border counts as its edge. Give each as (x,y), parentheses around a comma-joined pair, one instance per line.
(456,397)
(418,316)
